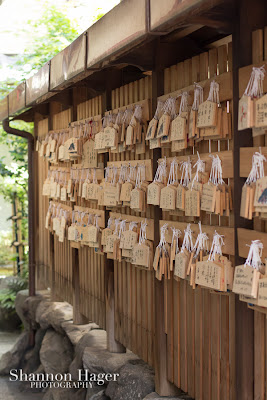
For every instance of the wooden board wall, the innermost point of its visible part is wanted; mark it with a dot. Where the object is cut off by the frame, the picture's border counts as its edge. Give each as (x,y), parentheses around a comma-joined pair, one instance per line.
(43,252)
(198,323)
(91,265)
(134,290)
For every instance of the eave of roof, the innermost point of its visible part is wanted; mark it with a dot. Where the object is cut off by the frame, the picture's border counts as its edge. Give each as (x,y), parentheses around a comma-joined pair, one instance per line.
(131,22)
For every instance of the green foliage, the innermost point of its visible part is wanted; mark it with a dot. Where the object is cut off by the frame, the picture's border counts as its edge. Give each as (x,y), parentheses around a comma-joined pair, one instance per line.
(6,253)
(52,33)
(8,295)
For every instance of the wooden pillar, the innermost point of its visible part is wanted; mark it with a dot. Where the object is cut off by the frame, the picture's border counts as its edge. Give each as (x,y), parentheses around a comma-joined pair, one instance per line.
(52,266)
(78,317)
(162,385)
(112,80)
(250,15)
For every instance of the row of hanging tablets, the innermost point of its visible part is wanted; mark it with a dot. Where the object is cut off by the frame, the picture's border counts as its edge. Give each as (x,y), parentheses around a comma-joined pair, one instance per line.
(252,111)
(129,185)
(175,122)
(183,125)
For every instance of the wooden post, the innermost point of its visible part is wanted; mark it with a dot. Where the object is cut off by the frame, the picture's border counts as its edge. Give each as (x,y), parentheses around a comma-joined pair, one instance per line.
(162,385)
(249,16)
(52,266)
(78,317)
(113,345)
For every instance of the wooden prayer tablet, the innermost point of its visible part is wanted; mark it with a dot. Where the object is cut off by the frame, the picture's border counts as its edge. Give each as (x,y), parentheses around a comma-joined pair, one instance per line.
(92,233)
(137,199)
(208,197)
(260,199)
(163,126)
(71,232)
(154,143)
(109,137)
(261,112)
(178,128)
(141,255)
(245,113)
(244,207)
(53,188)
(71,146)
(52,146)
(111,239)
(181,263)
(128,240)
(246,280)
(207,114)
(193,130)
(178,145)
(153,193)
(63,194)
(180,198)
(192,203)
(125,194)
(110,196)
(105,233)
(89,155)
(92,191)
(61,152)
(167,198)
(129,135)
(208,274)
(152,128)
(262,293)
(46,188)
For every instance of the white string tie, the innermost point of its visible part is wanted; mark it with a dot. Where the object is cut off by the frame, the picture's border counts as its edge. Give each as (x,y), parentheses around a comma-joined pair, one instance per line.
(188,241)
(198,97)
(201,242)
(254,254)
(216,247)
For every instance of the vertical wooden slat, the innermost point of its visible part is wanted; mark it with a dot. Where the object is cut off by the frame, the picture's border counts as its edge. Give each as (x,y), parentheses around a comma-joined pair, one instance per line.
(206,383)
(225,348)
(170,330)
(213,61)
(198,343)
(257,46)
(190,295)
(259,356)
(215,346)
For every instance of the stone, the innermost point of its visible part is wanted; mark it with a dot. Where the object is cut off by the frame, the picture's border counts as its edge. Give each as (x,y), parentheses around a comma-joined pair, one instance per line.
(94,391)
(48,395)
(13,358)
(97,339)
(76,332)
(156,396)
(135,381)
(29,308)
(53,314)
(102,361)
(56,352)
(98,396)
(22,295)
(31,360)
(65,394)
(26,306)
